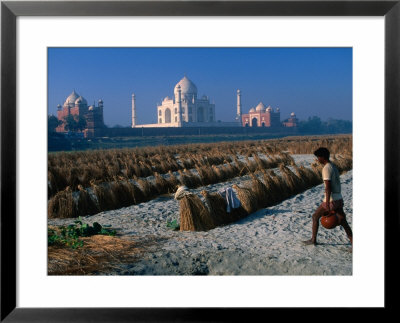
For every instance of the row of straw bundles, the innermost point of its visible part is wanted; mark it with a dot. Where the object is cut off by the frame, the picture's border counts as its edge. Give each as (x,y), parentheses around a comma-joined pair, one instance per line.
(197,216)
(127,165)
(106,196)
(122,193)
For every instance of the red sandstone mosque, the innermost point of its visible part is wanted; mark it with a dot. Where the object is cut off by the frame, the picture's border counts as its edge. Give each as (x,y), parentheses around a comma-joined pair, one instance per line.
(262,116)
(76,105)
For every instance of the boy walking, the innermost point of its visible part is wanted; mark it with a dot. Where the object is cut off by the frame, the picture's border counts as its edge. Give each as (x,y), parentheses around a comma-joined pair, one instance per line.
(333,199)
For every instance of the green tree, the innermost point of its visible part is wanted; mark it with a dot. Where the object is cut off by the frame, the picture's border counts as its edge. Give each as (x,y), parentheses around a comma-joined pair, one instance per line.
(74,123)
(52,123)
(80,123)
(70,123)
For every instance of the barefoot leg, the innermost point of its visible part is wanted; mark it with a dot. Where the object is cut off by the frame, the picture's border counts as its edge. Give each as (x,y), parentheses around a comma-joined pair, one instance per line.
(315,224)
(343,222)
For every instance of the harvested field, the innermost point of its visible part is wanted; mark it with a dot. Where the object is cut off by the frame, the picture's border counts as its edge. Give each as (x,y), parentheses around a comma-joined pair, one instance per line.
(266,242)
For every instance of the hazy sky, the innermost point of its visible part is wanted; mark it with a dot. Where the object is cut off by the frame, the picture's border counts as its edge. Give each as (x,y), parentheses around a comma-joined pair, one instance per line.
(307,81)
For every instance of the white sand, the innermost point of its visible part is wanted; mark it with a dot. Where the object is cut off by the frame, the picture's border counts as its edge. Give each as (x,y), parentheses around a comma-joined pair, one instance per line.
(268,242)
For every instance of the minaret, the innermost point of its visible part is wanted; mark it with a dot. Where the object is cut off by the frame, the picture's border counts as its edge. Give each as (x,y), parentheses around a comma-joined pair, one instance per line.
(239,107)
(179,106)
(133,111)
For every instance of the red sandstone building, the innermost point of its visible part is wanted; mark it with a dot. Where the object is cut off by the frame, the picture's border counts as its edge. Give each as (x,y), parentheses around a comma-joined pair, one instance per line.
(76,105)
(260,116)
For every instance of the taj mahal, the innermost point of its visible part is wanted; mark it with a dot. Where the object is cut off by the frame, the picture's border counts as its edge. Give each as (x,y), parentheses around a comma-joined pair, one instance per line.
(185,109)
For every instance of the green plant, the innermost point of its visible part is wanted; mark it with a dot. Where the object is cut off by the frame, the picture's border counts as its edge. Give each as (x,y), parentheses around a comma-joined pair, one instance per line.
(174,225)
(69,235)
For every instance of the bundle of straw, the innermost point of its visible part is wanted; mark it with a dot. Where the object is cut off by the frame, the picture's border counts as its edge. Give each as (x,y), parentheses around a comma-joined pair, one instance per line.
(148,189)
(247,198)
(163,186)
(271,186)
(217,206)
(122,193)
(172,180)
(86,206)
(194,216)
(62,205)
(105,197)
(260,191)
(291,180)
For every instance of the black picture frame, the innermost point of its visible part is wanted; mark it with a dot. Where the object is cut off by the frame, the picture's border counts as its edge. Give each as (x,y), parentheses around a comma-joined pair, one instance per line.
(10,10)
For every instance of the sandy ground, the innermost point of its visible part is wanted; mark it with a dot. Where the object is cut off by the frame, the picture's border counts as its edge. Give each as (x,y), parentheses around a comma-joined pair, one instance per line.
(268,242)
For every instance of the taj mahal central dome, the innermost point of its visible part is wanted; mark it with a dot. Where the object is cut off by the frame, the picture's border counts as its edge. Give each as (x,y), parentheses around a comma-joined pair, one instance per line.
(188,88)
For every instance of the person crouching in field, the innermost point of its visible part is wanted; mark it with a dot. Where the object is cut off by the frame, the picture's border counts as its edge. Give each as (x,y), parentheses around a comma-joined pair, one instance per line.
(332,199)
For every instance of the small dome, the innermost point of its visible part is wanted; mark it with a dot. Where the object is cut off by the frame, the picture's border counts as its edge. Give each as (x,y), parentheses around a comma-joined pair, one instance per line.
(260,107)
(252,110)
(269,109)
(278,110)
(72,98)
(187,87)
(80,100)
(91,108)
(167,98)
(292,114)
(100,101)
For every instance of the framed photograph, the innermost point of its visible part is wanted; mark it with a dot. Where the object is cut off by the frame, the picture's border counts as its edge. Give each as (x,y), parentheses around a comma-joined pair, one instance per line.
(41,36)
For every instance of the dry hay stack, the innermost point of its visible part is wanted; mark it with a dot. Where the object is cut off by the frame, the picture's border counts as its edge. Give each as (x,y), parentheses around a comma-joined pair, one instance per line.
(239,165)
(220,173)
(206,174)
(62,205)
(261,163)
(195,180)
(56,179)
(273,161)
(136,192)
(247,198)
(122,193)
(311,177)
(286,158)
(194,215)
(231,170)
(251,165)
(137,170)
(272,188)
(113,169)
(186,180)
(302,173)
(148,189)
(172,180)
(343,163)
(217,206)
(129,170)
(73,177)
(163,186)
(105,197)
(260,191)
(291,180)
(148,171)
(86,206)
(317,169)
(282,189)
(173,164)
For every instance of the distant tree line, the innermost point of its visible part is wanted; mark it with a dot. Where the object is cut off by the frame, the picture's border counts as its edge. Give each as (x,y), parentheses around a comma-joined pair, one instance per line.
(314,125)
